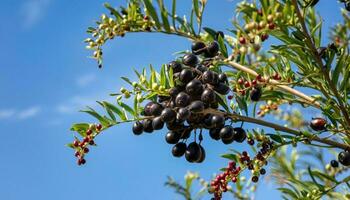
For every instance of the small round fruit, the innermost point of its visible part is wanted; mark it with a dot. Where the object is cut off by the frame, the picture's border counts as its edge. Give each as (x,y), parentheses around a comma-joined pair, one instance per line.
(198,48)
(174,125)
(137,128)
(194,87)
(210,77)
(173,92)
(218,121)
(186,76)
(222,88)
(147,109)
(179,149)
(183,114)
(176,66)
(157,123)
(182,99)
(208,96)
(262,171)
(215,133)
(168,115)
(334,163)
(147,125)
(255,94)
(201,68)
(156,109)
(344,158)
(172,137)
(226,132)
(239,134)
(212,49)
(318,124)
(190,60)
(223,78)
(255,179)
(193,152)
(196,106)
(202,157)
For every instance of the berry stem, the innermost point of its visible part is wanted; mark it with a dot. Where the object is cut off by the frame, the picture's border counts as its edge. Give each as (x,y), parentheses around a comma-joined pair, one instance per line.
(309,99)
(278,128)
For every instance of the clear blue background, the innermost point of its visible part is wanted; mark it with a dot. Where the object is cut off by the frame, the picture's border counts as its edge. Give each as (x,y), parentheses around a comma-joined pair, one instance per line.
(46,77)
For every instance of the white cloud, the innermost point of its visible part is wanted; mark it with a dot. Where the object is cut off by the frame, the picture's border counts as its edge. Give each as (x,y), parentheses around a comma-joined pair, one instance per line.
(32,11)
(6,114)
(29,112)
(85,80)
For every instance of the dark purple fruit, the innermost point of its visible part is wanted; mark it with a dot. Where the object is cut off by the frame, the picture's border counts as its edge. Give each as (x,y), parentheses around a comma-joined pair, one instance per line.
(201,68)
(137,128)
(226,132)
(193,152)
(173,92)
(147,125)
(156,109)
(212,49)
(194,87)
(262,171)
(176,66)
(179,149)
(186,76)
(318,124)
(182,99)
(207,121)
(175,125)
(147,109)
(190,60)
(344,158)
(198,48)
(223,78)
(239,134)
(210,77)
(202,157)
(172,137)
(215,133)
(222,88)
(218,121)
(334,163)
(208,96)
(168,115)
(183,114)
(196,106)
(157,123)
(255,94)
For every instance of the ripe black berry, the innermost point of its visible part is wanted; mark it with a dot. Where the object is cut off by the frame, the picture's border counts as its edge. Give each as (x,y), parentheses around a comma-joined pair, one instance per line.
(334,163)
(176,66)
(215,133)
(239,134)
(137,128)
(222,88)
(210,77)
(194,87)
(157,123)
(168,115)
(179,149)
(201,68)
(255,179)
(218,121)
(202,155)
(147,125)
(156,109)
(262,171)
(212,49)
(255,94)
(183,114)
(186,76)
(223,78)
(227,135)
(190,60)
(318,124)
(193,152)
(182,99)
(196,106)
(344,158)
(172,137)
(147,109)
(198,48)
(173,92)
(208,96)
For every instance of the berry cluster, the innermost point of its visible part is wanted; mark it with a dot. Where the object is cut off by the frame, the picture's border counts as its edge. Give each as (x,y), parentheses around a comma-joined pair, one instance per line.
(81,147)
(220,183)
(254,86)
(265,109)
(196,89)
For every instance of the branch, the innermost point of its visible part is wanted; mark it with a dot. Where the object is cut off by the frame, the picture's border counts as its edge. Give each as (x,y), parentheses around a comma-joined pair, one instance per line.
(277,127)
(309,99)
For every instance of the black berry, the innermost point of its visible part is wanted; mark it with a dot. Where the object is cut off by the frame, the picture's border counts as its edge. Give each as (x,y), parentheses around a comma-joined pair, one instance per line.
(239,134)
(193,152)
(255,94)
(196,106)
(156,109)
(157,123)
(183,114)
(179,149)
(172,137)
(190,60)
(334,163)
(208,96)
(168,115)
(344,158)
(215,133)
(198,48)
(202,155)
(212,49)
(176,66)
(222,88)
(137,128)
(318,124)
(218,121)
(147,125)
(182,99)
(186,76)
(194,87)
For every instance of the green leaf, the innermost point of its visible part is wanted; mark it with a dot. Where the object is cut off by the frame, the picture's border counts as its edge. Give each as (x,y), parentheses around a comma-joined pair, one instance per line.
(80,128)
(210,31)
(164,15)
(115,109)
(93,113)
(151,10)
(196,8)
(127,108)
(222,45)
(311,173)
(230,157)
(113,11)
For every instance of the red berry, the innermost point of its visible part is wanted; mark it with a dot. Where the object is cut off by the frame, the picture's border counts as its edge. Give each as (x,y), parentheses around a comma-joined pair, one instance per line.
(86,150)
(89,132)
(242,92)
(240,81)
(271,26)
(246,84)
(81,161)
(77,154)
(234,179)
(242,40)
(318,124)
(86,140)
(230,97)
(99,127)
(250,141)
(254,82)
(76,143)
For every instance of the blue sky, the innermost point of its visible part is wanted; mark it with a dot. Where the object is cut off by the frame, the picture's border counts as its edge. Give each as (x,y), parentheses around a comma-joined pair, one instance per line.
(46,77)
